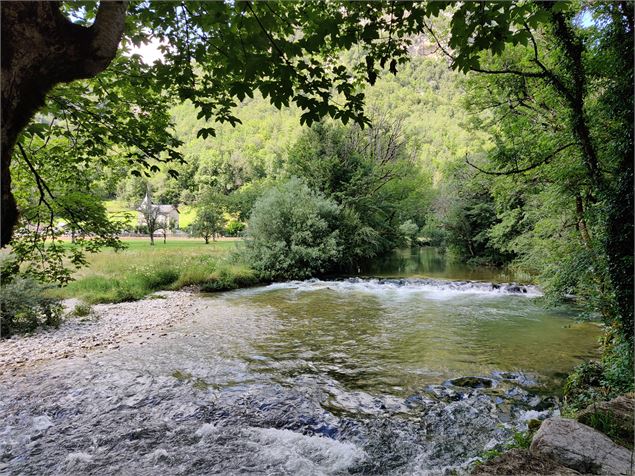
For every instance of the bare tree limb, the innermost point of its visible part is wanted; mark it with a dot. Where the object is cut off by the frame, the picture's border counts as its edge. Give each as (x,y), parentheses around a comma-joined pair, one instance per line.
(526,169)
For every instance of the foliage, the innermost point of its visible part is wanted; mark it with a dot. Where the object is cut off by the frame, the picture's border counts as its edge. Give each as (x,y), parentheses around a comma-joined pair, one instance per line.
(409,230)
(584,386)
(520,439)
(209,221)
(370,176)
(292,232)
(617,362)
(234,227)
(57,179)
(37,249)
(556,96)
(262,51)
(82,310)
(24,307)
(153,218)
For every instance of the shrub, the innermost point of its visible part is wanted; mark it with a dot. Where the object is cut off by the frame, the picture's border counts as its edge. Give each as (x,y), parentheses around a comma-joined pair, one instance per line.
(292,232)
(82,310)
(24,307)
(583,387)
(228,278)
(409,230)
(234,228)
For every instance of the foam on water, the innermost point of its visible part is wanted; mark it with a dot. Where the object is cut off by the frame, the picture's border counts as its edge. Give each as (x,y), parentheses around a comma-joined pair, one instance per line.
(206,429)
(302,454)
(431,288)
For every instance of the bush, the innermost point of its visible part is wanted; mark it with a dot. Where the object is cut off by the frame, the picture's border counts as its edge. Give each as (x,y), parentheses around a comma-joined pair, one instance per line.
(583,387)
(292,233)
(24,307)
(82,310)
(617,360)
(409,230)
(229,278)
(234,228)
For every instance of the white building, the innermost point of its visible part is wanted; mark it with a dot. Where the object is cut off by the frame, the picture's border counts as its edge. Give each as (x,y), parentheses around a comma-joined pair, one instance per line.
(167,215)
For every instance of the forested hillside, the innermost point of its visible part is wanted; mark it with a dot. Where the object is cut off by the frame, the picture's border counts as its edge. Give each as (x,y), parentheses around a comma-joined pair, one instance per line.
(426,98)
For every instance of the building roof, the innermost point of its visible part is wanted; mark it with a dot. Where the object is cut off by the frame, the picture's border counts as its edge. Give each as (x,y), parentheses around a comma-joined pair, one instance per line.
(162,208)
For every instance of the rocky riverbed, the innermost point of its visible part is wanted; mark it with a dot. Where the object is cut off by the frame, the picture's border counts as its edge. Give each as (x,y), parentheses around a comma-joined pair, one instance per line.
(345,378)
(106,327)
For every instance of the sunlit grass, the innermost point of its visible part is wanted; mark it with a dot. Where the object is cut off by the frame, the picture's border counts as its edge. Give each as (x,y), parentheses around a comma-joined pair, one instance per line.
(133,273)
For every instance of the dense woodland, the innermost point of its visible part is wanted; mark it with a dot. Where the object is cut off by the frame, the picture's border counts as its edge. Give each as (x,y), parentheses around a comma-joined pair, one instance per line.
(510,151)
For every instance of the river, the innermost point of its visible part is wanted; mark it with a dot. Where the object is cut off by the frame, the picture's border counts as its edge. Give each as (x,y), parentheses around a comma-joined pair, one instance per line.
(344,376)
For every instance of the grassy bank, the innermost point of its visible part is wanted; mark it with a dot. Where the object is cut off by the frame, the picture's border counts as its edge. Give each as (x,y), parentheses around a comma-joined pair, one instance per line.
(142,269)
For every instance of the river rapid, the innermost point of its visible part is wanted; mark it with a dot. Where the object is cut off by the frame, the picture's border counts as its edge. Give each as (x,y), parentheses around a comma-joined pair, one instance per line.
(350,376)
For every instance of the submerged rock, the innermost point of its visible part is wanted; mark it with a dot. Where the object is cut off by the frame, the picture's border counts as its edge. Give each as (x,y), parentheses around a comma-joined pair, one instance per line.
(580,447)
(463,428)
(472,382)
(615,418)
(519,378)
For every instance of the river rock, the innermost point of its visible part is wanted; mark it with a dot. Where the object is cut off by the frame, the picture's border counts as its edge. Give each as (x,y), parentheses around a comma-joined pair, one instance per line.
(521,462)
(580,447)
(615,418)
(472,382)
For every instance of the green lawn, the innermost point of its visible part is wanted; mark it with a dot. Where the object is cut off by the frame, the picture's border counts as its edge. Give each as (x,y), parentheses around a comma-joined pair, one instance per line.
(189,244)
(141,269)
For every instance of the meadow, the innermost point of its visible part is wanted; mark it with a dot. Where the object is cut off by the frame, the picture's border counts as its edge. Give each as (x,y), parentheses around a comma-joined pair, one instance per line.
(140,269)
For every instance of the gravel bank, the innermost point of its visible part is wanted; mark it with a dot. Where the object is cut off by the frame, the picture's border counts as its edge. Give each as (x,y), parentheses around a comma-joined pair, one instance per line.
(107,327)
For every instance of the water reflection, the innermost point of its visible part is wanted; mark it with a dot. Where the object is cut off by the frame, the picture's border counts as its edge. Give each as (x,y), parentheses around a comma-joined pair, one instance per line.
(434,263)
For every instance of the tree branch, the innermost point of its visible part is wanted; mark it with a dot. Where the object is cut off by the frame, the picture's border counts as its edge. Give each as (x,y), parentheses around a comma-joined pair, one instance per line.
(526,169)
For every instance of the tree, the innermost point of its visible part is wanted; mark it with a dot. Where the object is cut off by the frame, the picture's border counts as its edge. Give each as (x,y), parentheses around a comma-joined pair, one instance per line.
(367,173)
(209,220)
(152,217)
(41,48)
(251,46)
(293,232)
(560,106)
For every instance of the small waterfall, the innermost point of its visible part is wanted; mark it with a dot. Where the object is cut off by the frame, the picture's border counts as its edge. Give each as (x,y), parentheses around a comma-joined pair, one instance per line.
(411,285)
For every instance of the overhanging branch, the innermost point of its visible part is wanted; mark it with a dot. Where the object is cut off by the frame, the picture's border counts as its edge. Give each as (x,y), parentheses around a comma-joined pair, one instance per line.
(514,171)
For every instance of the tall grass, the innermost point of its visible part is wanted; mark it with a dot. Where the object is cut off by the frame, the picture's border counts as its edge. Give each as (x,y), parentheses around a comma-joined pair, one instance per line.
(141,269)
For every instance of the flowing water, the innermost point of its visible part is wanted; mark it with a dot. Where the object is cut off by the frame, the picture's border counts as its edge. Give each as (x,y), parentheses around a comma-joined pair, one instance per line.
(351,376)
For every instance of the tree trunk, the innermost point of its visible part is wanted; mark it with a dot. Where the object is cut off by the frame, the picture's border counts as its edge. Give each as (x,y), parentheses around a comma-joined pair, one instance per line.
(575,93)
(151,239)
(41,48)
(582,227)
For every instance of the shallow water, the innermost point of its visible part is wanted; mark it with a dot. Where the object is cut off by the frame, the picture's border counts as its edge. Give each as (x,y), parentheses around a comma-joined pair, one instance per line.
(315,377)
(400,335)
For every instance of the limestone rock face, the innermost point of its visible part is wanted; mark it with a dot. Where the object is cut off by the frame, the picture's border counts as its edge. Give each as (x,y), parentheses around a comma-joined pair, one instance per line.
(581,448)
(615,418)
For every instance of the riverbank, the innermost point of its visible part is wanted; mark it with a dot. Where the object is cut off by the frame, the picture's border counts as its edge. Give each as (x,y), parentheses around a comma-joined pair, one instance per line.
(107,326)
(141,269)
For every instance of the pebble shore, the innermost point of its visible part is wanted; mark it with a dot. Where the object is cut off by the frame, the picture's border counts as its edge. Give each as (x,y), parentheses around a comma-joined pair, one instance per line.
(107,327)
